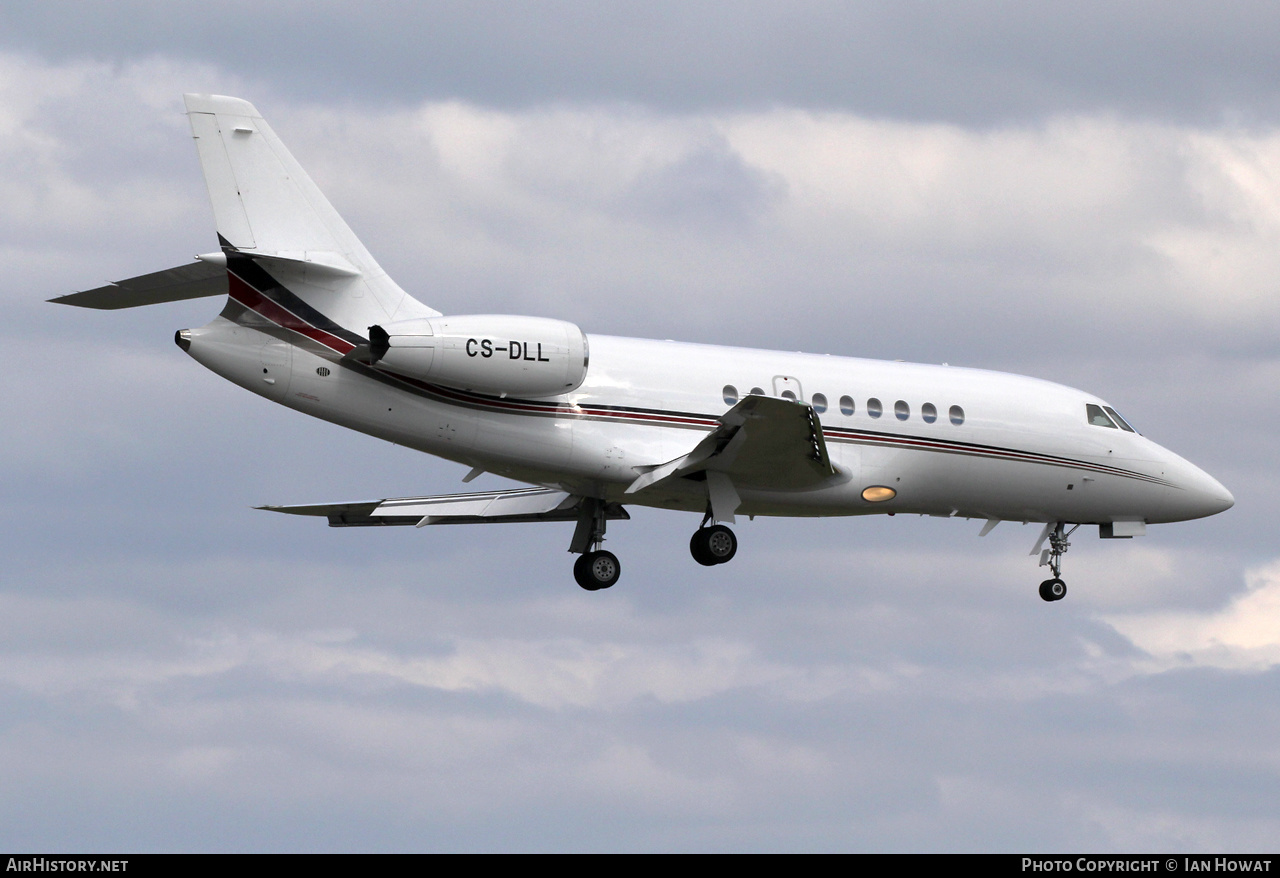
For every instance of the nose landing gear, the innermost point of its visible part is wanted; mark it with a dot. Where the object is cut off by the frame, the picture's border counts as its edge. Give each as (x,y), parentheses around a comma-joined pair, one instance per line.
(1054,589)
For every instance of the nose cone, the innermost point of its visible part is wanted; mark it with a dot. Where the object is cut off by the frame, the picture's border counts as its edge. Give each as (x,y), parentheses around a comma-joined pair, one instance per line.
(1200,494)
(1210,495)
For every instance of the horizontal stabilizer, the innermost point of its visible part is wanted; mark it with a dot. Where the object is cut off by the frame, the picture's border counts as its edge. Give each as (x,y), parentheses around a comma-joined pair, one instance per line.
(492,507)
(319,262)
(194,281)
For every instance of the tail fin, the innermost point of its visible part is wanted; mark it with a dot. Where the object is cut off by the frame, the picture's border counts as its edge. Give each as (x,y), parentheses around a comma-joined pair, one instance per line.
(267,208)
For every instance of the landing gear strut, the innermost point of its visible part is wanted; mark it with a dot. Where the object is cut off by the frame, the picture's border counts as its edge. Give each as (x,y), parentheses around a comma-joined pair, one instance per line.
(1055,589)
(712,545)
(596,568)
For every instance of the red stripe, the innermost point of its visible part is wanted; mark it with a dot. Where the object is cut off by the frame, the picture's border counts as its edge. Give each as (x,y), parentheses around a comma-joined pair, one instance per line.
(255,301)
(978,451)
(547,408)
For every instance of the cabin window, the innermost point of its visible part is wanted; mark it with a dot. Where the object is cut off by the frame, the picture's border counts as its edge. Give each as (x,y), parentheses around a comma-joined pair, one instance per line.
(874,408)
(846,405)
(787,394)
(757,391)
(1097,417)
(819,403)
(1115,415)
(730,394)
(957,415)
(901,410)
(929,412)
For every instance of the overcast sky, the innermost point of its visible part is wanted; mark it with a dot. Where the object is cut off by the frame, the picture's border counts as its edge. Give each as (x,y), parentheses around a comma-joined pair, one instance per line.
(1089,194)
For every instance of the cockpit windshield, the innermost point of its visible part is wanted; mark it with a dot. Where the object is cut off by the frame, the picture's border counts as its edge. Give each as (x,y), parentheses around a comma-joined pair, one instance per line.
(1124,425)
(1098,417)
(1106,416)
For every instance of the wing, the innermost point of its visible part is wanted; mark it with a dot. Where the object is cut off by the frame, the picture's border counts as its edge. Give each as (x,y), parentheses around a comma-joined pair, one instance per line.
(491,507)
(762,442)
(194,281)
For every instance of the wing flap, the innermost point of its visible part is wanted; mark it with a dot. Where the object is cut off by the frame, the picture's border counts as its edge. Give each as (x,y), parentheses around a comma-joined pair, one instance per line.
(484,507)
(489,506)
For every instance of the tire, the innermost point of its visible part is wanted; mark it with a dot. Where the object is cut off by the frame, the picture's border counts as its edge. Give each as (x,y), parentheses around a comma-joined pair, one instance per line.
(596,570)
(582,575)
(721,544)
(699,549)
(1053,590)
(713,545)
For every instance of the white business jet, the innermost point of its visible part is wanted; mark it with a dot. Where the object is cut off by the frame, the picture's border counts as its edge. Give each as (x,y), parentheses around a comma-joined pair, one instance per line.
(596,423)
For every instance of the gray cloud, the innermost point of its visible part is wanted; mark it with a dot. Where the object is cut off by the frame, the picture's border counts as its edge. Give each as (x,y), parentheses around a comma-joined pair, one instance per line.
(916,719)
(977,63)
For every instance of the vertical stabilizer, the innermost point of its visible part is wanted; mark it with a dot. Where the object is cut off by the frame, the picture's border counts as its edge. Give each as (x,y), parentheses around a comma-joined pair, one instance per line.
(266,207)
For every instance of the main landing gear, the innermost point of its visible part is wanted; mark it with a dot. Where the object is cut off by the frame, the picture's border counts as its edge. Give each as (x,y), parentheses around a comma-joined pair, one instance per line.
(595,568)
(713,545)
(1055,589)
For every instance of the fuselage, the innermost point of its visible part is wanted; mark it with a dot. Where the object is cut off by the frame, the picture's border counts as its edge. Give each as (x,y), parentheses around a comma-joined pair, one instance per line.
(949,441)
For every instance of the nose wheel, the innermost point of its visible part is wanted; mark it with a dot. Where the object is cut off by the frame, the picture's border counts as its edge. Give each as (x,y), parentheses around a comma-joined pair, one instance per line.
(1053,589)
(713,545)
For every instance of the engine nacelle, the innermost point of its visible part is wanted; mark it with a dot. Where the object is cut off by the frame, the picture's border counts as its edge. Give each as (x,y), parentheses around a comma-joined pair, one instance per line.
(496,354)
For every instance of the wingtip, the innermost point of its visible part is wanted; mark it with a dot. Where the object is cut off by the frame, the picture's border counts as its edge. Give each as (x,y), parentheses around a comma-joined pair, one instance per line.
(79,300)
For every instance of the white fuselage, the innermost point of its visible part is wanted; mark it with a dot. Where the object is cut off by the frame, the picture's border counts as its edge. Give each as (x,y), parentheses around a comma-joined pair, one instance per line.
(1023,449)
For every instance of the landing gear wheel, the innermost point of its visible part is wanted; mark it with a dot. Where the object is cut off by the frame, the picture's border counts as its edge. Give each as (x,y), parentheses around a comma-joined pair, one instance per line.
(698,549)
(1053,590)
(583,576)
(713,545)
(596,570)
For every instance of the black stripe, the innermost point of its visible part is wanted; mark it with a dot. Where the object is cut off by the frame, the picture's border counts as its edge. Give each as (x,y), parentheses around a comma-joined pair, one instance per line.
(957,447)
(243,267)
